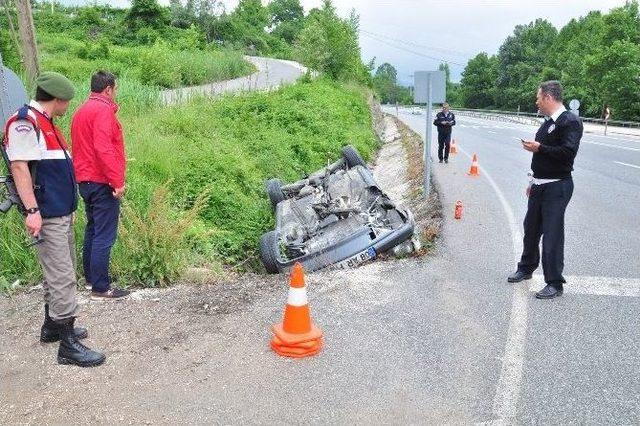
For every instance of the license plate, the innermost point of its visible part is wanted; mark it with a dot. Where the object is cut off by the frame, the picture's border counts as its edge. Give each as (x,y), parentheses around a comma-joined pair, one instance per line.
(358,259)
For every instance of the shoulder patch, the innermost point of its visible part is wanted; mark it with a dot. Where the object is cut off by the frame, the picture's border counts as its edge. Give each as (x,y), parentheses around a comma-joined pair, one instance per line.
(23,128)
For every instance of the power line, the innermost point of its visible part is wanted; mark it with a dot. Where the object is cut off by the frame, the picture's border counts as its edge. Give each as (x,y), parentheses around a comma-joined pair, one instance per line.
(396,46)
(410,43)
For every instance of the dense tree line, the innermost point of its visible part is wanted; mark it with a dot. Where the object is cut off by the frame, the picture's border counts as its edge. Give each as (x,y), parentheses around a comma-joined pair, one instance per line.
(596,57)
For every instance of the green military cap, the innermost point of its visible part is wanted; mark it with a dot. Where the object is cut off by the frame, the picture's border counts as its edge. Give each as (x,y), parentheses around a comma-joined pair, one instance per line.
(56,84)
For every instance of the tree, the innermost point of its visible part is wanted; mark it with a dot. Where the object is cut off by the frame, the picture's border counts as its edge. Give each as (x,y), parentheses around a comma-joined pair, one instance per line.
(521,59)
(146,13)
(567,58)
(329,44)
(477,86)
(619,85)
(286,19)
(385,83)
(252,14)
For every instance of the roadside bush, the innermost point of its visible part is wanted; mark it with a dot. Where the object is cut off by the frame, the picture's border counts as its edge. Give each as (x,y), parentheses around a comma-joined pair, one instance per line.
(153,245)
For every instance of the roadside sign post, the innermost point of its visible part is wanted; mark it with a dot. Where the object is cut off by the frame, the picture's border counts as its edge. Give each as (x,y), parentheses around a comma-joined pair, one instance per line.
(430,87)
(574,105)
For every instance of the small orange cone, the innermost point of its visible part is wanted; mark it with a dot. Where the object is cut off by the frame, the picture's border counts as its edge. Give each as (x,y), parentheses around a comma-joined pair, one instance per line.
(453,149)
(296,337)
(473,171)
(458,212)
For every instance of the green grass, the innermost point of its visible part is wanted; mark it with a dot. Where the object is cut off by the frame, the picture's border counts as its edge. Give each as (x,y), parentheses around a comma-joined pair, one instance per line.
(157,65)
(225,147)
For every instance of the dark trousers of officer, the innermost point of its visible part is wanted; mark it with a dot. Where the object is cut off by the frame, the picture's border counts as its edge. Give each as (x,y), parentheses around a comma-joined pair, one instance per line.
(444,144)
(545,218)
(102,210)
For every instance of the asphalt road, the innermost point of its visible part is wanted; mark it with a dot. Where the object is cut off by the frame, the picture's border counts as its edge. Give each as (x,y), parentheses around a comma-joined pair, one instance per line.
(270,74)
(437,340)
(579,354)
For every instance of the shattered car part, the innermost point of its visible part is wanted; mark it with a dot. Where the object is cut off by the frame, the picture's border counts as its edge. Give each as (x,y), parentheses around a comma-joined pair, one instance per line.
(336,216)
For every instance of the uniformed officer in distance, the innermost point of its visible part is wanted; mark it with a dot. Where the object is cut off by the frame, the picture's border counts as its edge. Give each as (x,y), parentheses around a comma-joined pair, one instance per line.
(444,121)
(550,190)
(44,177)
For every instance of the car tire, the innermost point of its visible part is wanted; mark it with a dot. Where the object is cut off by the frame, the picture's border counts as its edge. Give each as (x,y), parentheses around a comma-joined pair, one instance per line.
(352,156)
(269,252)
(274,190)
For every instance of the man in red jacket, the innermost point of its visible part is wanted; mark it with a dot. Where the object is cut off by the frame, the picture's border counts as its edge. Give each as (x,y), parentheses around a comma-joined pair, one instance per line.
(99,163)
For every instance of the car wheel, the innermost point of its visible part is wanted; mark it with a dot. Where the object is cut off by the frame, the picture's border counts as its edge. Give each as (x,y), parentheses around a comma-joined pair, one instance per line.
(269,252)
(352,156)
(274,190)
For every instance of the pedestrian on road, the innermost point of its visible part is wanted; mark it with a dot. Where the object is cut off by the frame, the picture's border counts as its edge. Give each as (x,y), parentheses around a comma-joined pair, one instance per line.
(98,149)
(444,121)
(43,173)
(554,150)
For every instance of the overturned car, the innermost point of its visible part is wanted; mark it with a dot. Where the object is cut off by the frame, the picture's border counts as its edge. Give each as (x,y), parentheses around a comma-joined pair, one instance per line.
(336,216)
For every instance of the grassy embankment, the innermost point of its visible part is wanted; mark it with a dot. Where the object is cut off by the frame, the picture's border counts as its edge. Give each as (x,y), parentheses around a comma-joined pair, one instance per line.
(224,149)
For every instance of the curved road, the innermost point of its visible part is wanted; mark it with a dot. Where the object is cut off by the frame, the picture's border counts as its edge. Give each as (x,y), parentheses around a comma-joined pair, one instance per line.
(271,74)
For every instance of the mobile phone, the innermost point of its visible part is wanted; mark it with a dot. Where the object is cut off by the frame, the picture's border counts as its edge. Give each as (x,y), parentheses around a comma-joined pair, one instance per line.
(521,140)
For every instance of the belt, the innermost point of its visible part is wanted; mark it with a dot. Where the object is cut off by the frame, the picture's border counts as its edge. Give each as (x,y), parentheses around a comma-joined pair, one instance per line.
(536,181)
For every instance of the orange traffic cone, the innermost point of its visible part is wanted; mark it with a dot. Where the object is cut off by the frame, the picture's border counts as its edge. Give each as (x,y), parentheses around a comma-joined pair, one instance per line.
(296,337)
(453,149)
(473,171)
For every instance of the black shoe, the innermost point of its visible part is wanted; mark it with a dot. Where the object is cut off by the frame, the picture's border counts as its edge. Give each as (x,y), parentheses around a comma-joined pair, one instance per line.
(446,161)
(549,292)
(71,351)
(50,332)
(112,294)
(440,161)
(518,276)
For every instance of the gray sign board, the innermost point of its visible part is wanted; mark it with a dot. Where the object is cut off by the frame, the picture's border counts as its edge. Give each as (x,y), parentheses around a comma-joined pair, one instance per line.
(438,86)
(12,93)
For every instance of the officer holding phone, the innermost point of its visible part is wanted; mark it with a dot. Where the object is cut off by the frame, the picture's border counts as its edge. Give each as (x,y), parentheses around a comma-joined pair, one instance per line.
(551,187)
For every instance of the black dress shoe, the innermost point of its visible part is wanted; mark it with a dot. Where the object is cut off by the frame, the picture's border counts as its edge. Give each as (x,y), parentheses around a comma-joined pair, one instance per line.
(518,276)
(549,292)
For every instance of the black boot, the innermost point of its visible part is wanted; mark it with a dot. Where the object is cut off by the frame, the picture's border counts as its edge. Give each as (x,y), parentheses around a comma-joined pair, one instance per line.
(73,352)
(50,332)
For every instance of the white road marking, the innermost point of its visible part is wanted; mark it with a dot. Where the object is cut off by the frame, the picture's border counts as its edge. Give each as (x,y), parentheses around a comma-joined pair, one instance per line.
(505,401)
(595,286)
(628,148)
(628,165)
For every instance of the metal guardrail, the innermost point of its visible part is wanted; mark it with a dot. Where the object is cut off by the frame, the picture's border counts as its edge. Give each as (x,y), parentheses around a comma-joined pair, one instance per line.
(613,123)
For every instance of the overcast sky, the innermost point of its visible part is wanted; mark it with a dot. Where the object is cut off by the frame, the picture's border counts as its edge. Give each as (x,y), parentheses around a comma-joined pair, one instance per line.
(438,30)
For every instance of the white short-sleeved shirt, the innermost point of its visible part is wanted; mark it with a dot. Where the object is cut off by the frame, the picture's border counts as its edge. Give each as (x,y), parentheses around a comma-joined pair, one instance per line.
(23,142)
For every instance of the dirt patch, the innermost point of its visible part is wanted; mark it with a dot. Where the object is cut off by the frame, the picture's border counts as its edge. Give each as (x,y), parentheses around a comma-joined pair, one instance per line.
(427,211)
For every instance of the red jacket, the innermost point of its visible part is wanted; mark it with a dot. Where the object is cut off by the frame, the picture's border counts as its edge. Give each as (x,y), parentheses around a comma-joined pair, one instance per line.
(97,143)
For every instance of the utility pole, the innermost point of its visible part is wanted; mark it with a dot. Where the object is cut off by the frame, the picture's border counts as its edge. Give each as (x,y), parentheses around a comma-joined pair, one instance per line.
(28,39)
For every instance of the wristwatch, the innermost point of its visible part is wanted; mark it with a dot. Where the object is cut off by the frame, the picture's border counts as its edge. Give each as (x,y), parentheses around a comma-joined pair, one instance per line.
(33,210)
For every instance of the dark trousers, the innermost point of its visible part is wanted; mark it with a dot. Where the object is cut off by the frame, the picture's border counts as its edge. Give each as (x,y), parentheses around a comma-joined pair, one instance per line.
(545,218)
(102,226)
(444,144)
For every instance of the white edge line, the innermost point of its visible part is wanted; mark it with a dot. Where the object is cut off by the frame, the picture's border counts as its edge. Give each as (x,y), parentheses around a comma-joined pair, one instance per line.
(594,286)
(628,165)
(505,401)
